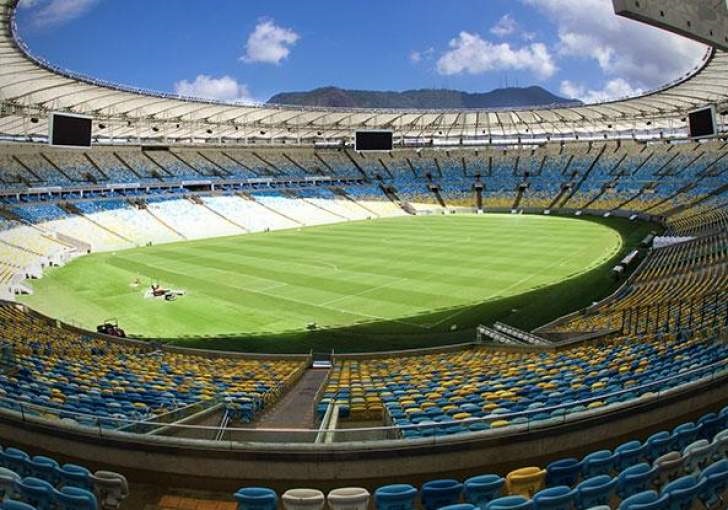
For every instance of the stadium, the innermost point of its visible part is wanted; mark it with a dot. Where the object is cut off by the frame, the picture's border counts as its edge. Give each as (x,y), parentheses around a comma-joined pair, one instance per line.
(216,304)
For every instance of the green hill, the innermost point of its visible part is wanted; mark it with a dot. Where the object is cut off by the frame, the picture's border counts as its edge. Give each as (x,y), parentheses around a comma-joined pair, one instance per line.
(422,99)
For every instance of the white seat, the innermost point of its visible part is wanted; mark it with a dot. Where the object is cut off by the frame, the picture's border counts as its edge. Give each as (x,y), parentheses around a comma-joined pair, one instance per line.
(8,480)
(669,467)
(303,499)
(720,445)
(110,489)
(348,498)
(697,457)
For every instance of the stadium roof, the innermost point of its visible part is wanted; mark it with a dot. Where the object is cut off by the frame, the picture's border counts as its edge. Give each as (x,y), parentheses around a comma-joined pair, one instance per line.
(30,88)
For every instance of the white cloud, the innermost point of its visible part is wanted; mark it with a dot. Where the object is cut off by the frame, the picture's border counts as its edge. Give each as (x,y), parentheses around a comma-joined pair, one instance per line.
(56,12)
(613,89)
(224,88)
(418,56)
(269,43)
(469,53)
(505,26)
(642,56)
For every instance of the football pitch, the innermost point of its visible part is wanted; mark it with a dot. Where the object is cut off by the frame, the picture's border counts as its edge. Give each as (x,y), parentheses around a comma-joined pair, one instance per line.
(412,274)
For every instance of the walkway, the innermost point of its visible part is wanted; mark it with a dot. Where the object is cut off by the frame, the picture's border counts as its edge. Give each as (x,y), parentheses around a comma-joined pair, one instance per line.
(296,409)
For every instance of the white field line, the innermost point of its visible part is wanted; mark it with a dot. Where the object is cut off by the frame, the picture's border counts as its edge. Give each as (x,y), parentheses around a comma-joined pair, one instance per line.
(371,289)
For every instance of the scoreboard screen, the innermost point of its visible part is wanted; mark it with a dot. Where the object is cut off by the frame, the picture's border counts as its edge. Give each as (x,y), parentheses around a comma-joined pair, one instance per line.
(69,130)
(374,141)
(701,123)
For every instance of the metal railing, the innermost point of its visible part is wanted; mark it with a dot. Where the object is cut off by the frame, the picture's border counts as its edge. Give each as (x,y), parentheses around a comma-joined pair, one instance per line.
(705,312)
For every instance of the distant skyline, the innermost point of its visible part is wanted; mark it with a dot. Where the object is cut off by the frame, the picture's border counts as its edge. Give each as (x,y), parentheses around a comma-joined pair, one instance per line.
(249,51)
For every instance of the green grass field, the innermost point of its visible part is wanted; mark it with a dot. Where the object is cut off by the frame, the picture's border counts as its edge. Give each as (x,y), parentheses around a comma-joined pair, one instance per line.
(414,277)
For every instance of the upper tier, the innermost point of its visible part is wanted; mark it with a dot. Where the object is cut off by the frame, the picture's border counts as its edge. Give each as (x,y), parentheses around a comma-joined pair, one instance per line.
(35,87)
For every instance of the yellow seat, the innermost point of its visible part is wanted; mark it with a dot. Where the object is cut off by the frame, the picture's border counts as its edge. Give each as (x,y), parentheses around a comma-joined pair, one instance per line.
(525,481)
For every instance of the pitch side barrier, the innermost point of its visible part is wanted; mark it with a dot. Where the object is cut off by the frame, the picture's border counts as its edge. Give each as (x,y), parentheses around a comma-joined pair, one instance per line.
(151,345)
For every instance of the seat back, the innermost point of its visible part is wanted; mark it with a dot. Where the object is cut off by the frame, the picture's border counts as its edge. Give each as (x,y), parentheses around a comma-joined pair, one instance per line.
(38,493)
(395,497)
(303,499)
(110,489)
(438,493)
(348,498)
(698,456)
(510,503)
(563,472)
(525,482)
(73,498)
(11,504)
(481,490)
(596,491)
(555,498)
(256,498)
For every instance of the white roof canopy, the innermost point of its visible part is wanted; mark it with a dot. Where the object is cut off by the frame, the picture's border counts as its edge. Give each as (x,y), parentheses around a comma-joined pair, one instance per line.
(31,88)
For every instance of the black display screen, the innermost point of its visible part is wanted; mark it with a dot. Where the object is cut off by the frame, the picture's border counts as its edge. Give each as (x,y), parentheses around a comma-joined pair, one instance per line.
(373,141)
(701,123)
(70,131)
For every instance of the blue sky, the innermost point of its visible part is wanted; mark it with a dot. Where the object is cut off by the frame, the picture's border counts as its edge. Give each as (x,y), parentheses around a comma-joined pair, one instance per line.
(250,50)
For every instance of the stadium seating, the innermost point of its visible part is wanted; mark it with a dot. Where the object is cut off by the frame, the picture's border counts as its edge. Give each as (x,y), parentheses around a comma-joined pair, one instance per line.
(671,276)
(480,388)
(629,481)
(91,382)
(42,483)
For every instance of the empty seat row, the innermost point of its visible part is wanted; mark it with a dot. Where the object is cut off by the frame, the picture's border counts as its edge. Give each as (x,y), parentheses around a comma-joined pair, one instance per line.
(674,469)
(45,484)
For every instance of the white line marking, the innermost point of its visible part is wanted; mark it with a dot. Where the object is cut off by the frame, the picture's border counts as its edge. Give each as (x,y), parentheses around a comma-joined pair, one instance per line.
(371,289)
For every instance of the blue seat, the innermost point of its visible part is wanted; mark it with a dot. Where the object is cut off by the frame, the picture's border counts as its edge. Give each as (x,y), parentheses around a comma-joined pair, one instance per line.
(629,454)
(658,445)
(73,498)
(683,491)
(634,479)
(15,459)
(510,503)
(709,425)
(438,493)
(395,497)
(647,500)
(459,506)
(563,472)
(481,490)
(256,498)
(10,504)
(716,483)
(37,492)
(555,498)
(72,475)
(683,435)
(44,468)
(601,462)
(595,491)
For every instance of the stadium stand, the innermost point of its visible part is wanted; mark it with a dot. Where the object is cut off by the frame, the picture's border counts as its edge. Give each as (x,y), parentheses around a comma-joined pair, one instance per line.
(39,482)
(101,383)
(444,394)
(683,468)
(652,353)
(679,281)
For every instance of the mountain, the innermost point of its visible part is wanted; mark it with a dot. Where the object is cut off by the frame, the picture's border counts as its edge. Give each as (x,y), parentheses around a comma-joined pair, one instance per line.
(422,99)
